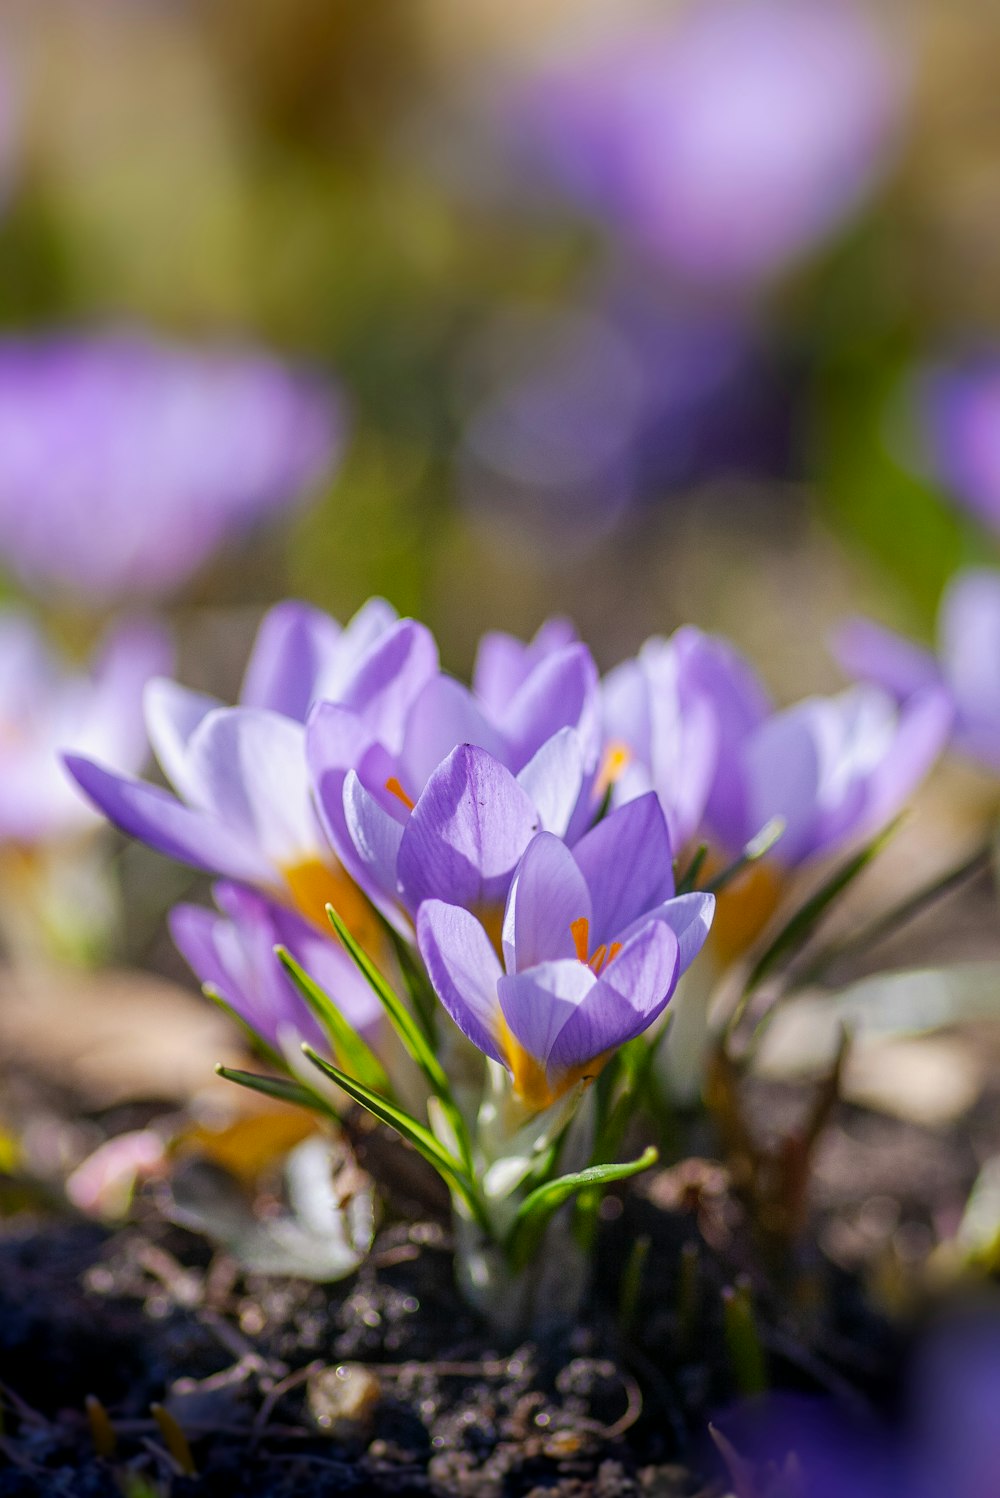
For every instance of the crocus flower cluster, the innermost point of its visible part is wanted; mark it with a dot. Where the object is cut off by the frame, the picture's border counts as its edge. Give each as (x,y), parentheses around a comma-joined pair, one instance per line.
(726,143)
(966,667)
(506,850)
(125,463)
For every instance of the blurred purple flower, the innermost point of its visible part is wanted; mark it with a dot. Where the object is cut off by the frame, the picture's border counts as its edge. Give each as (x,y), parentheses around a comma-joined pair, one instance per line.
(579,415)
(947,1444)
(956,410)
(593,943)
(833,768)
(126,463)
(44,707)
(244,807)
(233,954)
(726,143)
(967,665)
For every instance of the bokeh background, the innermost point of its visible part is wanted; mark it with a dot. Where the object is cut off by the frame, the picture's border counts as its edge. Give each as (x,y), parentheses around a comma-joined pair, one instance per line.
(625,309)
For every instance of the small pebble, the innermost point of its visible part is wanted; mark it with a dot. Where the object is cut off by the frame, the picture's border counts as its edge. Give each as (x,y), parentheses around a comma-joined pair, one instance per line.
(343,1400)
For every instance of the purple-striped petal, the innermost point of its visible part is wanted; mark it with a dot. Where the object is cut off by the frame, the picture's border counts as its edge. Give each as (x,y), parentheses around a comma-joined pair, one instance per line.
(689,918)
(503,663)
(561,692)
(631,992)
(548,894)
(172,715)
(444,715)
(389,678)
(375,835)
(557,780)
(464,970)
(159,819)
(627,863)
(251,771)
(538,1004)
(466,833)
(293,648)
(871,653)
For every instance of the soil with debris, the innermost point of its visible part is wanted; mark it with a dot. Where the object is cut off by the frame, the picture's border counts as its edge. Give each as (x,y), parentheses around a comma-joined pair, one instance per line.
(206,1381)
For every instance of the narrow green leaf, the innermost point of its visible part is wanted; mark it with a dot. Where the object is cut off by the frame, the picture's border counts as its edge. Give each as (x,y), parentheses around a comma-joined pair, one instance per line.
(801,925)
(409,1127)
(357,1057)
(687,881)
(755,849)
(410,1033)
(405,1024)
(536,1209)
(422,996)
(256,1042)
(281,1088)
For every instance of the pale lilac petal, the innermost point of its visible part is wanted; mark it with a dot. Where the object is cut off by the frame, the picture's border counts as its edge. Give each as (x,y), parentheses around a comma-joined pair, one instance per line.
(172,714)
(548,894)
(389,678)
(561,692)
(538,1004)
(689,918)
(466,834)
(631,992)
(464,970)
(444,715)
(783,765)
(626,710)
(337,974)
(969,627)
(922,731)
(251,769)
(627,863)
(556,779)
(293,648)
(503,662)
(870,653)
(159,819)
(337,740)
(375,835)
(103,718)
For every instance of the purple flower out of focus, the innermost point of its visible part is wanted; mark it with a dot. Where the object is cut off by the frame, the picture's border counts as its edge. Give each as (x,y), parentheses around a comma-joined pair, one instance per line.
(594,940)
(45,707)
(946,1446)
(833,768)
(126,463)
(967,666)
(957,409)
(727,143)
(233,954)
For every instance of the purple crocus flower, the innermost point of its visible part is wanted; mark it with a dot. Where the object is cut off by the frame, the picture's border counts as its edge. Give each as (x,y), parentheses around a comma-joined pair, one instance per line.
(966,667)
(244,807)
(233,954)
(446,802)
(727,143)
(125,462)
(44,706)
(833,768)
(594,940)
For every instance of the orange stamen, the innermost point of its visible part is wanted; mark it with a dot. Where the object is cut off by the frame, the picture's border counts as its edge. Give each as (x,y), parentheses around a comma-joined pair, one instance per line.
(617,758)
(394,788)
(613,951)
(580,932)
(597,961)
